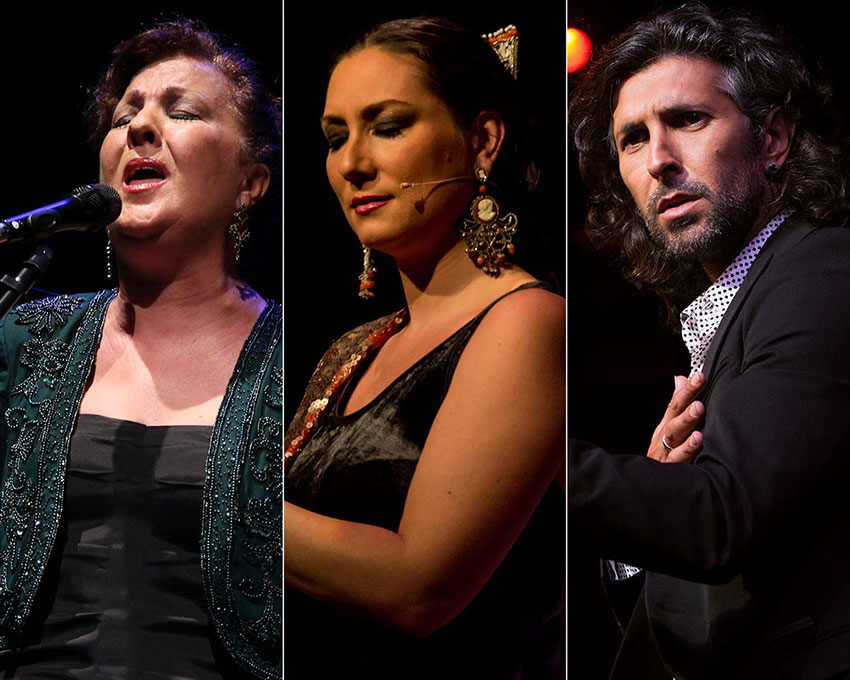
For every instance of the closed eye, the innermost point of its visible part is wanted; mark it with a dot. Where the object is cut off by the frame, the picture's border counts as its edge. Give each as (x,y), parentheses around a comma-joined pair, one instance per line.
(183,115)
(123,120)
(335,141)
(389,128)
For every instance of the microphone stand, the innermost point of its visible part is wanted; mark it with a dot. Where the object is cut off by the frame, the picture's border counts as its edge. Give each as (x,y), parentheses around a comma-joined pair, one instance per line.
(13,288)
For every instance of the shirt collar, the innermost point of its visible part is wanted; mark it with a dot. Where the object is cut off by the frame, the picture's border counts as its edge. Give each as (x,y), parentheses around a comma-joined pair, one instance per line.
(702,317)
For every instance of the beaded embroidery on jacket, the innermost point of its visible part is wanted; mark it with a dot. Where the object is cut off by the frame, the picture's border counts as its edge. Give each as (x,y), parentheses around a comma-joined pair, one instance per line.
(241,535)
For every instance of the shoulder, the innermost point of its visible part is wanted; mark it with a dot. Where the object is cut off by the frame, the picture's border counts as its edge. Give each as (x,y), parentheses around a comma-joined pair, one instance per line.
(47,317)
(529,313)
(819,247)
(362,331)
(524,331)
(349,342)
(795,306)
(808,264)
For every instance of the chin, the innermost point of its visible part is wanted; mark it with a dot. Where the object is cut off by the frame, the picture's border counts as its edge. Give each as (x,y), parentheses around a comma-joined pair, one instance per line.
(136,229)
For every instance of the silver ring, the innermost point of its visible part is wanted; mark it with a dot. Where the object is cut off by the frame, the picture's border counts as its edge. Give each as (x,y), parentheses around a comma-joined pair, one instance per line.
(666,446)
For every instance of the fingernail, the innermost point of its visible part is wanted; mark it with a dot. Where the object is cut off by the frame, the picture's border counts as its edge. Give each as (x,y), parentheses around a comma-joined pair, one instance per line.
(696,378)
(696,409)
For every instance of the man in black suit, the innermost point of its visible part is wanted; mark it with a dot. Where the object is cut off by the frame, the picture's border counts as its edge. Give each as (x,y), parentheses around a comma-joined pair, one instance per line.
(714,162)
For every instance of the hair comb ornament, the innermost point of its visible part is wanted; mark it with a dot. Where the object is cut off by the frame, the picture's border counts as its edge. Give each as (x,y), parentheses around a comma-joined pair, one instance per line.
(505,43)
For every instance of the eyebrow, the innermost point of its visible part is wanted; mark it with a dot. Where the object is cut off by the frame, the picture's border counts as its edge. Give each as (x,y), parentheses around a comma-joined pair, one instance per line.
(170,92)
(665,113)
(627,129)
(369,112)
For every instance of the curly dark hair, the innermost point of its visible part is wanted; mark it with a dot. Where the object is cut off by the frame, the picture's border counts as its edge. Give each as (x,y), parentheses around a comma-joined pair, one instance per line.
(763,71)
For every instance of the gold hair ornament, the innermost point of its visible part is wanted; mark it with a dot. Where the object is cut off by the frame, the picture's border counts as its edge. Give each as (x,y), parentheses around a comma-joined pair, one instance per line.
(505,43)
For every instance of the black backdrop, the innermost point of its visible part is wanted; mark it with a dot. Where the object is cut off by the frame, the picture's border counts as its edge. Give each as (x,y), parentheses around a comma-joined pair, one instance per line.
(52,53)
(621,361)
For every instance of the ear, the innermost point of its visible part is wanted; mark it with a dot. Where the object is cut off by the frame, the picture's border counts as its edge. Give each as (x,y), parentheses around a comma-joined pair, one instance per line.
(778,134)
(488,134)
(254,185)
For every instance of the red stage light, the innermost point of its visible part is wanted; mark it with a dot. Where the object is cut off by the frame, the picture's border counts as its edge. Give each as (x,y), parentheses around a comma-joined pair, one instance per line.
(578,49)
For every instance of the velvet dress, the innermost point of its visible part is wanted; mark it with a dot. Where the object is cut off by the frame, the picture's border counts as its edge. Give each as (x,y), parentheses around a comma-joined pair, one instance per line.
(358,467)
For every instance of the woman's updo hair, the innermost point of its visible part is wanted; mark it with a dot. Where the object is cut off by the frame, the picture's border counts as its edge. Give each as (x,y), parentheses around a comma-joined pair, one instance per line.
(463,70)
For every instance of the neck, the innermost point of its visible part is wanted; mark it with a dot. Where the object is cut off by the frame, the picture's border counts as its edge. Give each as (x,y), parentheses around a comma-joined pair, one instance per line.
(715,268)
(191,301)
(452,283)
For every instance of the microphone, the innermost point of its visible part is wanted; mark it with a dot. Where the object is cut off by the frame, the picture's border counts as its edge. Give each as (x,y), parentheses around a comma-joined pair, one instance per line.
(408,185)
(86,208)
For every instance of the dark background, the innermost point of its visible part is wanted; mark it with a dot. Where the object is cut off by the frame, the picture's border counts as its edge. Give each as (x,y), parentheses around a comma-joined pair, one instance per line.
(621,361)
(52,54)
(323,257)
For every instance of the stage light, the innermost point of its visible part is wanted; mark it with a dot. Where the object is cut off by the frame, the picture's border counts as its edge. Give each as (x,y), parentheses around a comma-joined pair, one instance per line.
(578,49)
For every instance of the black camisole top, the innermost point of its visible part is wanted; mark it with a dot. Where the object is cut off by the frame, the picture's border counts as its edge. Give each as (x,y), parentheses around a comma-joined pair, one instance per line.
(122,596)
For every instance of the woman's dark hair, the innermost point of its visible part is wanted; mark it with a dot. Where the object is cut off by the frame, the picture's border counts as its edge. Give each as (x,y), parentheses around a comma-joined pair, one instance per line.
(763,71)
(462,69)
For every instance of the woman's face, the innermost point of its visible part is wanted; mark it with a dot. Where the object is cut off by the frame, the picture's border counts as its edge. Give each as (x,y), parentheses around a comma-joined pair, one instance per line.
(384,127)
(175,152)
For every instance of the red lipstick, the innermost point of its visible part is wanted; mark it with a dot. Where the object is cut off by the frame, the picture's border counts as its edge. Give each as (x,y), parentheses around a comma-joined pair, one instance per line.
(363,205)
(143,174)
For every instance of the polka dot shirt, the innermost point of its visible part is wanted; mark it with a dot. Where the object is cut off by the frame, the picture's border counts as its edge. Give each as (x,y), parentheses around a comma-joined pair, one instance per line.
(701,318)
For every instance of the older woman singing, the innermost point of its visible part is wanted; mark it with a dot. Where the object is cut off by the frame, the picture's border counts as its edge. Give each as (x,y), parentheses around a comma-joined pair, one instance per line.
(141,495)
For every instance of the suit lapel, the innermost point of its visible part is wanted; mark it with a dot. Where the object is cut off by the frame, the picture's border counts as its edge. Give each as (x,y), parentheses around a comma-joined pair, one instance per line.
(784,238)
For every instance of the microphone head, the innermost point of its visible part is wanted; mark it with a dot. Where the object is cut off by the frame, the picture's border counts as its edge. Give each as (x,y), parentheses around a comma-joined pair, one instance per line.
(100,201)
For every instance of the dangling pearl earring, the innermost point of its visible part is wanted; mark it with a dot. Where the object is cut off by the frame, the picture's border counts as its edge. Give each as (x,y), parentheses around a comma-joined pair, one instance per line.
(110,274)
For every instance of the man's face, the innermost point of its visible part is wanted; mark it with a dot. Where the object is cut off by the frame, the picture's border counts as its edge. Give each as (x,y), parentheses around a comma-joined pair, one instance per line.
(686,155)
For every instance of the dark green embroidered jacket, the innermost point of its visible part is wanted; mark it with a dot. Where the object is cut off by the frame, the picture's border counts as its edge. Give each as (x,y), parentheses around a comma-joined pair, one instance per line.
(47,349)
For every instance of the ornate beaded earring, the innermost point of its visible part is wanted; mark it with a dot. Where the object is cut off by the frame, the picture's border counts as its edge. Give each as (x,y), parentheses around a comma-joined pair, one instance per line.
(238,230)
(489,237)
(367,277)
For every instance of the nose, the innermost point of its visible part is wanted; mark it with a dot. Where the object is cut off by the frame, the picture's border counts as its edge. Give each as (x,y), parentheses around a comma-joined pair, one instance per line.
(356,164)
(143,130)
(663,159)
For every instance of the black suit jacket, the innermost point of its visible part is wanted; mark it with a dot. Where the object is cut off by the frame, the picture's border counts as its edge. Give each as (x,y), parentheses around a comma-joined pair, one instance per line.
(748,549)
